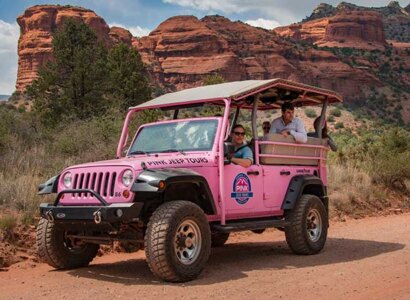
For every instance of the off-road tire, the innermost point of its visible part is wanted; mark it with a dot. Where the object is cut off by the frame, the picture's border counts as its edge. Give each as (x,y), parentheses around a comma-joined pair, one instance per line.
(52,248)
(161,241)
(218,239)
(298,234)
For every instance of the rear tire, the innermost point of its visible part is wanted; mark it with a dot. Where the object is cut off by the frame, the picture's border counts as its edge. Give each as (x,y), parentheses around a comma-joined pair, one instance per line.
(177,241)
(218,239)
(54,249)
(309,222)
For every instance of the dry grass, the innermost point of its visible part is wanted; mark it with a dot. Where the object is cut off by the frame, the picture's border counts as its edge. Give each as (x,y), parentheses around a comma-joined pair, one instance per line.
(352,193)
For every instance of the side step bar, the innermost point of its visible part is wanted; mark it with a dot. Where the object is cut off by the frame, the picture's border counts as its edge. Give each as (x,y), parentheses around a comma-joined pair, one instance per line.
(249,225)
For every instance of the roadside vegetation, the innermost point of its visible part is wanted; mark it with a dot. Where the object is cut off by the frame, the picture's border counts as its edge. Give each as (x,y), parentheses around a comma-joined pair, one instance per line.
(79,105)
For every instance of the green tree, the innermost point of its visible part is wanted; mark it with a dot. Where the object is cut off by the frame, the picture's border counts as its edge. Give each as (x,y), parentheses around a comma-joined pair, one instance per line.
(72,84)
(127,83)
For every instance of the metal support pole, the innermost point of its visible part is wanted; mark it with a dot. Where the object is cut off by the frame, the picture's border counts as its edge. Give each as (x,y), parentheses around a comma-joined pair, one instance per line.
(235,118)
(254,116)
(322,119)
(221,159)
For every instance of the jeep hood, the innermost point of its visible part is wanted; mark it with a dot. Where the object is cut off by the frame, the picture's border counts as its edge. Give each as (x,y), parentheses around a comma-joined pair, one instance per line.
(153,161)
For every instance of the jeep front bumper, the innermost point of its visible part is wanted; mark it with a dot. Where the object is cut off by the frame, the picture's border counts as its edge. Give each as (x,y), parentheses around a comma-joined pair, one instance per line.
(110,213)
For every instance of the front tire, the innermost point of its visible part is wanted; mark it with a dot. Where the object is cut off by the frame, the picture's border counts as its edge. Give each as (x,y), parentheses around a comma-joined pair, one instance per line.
(309,222)
(56,250)
(177,241)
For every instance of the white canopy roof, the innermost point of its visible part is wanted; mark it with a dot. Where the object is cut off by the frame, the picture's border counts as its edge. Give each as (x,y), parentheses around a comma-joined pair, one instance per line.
(239,90)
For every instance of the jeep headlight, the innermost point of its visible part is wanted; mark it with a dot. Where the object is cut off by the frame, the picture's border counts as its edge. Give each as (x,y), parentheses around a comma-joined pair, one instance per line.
(67,179)
(127,178)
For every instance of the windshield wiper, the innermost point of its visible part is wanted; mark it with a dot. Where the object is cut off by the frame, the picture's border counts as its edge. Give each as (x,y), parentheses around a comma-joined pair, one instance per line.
(138,152)
(173,150)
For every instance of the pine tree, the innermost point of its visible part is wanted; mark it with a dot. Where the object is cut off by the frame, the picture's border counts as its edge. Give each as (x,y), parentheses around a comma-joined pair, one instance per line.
(73,83)
(127,83)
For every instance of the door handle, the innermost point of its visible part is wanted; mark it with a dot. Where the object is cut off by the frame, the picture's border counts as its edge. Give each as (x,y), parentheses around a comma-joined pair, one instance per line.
(287,173)
(252,172)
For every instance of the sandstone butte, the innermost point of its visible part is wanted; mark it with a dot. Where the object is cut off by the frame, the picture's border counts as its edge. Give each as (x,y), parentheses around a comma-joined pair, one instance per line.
(183,50)
(37,26)
(354,29)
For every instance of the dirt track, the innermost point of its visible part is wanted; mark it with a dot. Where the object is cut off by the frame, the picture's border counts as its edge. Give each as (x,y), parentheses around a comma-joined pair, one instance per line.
(363,259)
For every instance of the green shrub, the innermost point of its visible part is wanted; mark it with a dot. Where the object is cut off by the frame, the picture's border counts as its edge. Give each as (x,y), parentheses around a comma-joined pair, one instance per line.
(8,222)
(339,125)
(310,113)
(336,112)
(331,119)
(384,153)
(213,79)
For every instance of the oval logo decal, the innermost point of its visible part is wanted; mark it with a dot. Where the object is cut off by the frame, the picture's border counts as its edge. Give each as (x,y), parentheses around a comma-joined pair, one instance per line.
(241,189)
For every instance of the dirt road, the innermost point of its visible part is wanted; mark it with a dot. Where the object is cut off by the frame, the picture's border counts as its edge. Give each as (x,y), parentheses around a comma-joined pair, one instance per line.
(363,259)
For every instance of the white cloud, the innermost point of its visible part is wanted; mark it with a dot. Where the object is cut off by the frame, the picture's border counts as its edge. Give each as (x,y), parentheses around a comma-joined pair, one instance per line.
(263,23)
(284,11)
(280,10)
(9,34)
(135,30)
(227,6)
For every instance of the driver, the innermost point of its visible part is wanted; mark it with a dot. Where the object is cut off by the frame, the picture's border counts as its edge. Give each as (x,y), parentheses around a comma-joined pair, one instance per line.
(243,154)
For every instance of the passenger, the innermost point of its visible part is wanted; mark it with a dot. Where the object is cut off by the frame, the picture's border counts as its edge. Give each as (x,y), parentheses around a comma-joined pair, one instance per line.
(332,145)
(288,124)
(265,127)
(243,154)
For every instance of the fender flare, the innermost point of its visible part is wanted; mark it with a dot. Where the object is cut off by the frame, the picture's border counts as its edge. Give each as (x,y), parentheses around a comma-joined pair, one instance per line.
(297,186)
(146,185)
(49,187)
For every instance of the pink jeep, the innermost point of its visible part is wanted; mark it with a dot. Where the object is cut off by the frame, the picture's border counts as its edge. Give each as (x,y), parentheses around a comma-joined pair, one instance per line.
(176,192)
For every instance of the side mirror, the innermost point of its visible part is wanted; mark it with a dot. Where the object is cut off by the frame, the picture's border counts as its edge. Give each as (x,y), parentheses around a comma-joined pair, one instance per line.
(229,151)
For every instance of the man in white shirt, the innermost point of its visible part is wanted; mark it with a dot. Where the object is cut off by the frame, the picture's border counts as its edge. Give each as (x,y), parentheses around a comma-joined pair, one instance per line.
(288,124)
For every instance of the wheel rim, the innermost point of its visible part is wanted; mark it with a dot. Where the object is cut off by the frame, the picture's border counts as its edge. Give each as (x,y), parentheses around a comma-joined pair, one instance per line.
(314,225)
(188,242)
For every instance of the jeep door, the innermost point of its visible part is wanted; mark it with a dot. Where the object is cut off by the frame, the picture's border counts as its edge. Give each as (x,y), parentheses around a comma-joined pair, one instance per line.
(243,190)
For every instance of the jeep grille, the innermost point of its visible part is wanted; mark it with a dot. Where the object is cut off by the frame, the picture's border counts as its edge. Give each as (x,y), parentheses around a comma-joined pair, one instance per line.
(101,182)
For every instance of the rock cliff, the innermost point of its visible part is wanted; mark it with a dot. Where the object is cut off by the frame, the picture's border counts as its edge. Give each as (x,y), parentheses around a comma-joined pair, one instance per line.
(396,20)
(37,26)
(183,50)
(348,28)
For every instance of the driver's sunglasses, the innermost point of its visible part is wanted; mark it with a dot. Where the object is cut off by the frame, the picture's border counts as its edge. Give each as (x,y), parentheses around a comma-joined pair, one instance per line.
(266,127)
(239,133)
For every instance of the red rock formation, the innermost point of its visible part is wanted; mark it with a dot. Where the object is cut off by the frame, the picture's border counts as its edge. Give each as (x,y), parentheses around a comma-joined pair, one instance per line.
(183,50)
(121,35)
(37,25)
(354,29)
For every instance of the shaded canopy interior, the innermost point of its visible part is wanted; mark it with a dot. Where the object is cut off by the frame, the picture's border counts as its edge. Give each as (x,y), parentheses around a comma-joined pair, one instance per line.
(271,94)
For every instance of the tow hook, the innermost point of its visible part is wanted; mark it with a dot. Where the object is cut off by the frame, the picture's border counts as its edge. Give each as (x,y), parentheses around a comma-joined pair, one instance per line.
(49,216)
(97,217)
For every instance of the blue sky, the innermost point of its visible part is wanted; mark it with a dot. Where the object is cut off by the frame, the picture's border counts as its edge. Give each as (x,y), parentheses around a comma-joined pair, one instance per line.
(142,16)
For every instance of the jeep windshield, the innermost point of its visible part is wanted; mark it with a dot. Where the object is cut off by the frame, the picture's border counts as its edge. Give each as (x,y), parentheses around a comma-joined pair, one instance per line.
(179,136)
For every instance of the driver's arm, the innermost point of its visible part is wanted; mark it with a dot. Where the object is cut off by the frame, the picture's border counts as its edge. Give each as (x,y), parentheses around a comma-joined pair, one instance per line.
(244,162)
(245,158)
